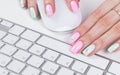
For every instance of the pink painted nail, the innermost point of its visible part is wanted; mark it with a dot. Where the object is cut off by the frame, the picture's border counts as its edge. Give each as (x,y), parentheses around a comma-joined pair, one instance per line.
(49,10)
(74,38)
(76,48)
(74,6)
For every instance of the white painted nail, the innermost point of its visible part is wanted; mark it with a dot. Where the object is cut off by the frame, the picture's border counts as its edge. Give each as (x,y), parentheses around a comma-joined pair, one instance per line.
(32,13)
(113,47)
(89,50)
(22,3)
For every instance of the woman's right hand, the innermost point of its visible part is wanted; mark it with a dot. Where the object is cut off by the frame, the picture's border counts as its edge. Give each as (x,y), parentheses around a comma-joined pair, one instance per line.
(49,7)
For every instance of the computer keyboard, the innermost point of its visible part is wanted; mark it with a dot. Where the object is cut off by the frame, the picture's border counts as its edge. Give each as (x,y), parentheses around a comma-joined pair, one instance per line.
(24,51)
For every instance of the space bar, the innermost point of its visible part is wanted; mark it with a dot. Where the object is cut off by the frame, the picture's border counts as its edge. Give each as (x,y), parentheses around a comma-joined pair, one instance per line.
(64,48)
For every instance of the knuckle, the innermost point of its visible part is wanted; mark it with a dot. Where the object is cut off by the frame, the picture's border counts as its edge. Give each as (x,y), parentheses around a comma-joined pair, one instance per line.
(102,24)
(88,38)
(105,21)
(109,19)
(97,14)
(101,41)
(117,28)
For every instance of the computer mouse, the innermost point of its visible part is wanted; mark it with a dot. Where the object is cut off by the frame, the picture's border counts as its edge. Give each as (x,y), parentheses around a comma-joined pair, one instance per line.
(63,19)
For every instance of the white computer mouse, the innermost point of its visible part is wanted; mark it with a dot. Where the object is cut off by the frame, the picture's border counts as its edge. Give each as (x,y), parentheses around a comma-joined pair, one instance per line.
(63,19)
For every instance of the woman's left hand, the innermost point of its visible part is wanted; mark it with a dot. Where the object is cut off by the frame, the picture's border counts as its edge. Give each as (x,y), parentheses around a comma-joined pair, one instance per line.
(99,31)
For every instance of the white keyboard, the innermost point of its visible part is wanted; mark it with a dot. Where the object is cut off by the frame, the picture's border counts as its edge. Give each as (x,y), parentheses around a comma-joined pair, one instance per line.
(26,52)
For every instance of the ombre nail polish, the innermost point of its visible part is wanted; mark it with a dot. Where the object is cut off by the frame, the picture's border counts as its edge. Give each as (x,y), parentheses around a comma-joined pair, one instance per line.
(74,6)
(49,10)
(89,50)
(22,3)
(74,38)
(32,13)
(76,48)
(113,47)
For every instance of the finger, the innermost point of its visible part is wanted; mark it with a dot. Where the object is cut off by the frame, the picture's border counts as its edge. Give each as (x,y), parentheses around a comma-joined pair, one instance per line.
(73,5)
(114,47)
(112,35)
(49,7)
(33,8)
(23,3)
(90,22)
(103,25)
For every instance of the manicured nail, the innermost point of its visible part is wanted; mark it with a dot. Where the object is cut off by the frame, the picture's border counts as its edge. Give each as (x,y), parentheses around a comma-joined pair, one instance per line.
(32,13)
(89,50)
(49,10)
(74,38)
(22,3)
(113,47)
(76,48)
(74,6)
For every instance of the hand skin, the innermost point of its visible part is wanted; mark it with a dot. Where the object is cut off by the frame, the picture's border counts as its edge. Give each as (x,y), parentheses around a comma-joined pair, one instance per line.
(98,31)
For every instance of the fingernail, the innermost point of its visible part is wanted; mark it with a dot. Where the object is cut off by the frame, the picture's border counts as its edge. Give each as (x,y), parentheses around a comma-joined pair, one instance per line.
(32,13)
(74,38)
(113,47)
(49,10)
(74,6)
(22,3)
(89,50)
(76,48)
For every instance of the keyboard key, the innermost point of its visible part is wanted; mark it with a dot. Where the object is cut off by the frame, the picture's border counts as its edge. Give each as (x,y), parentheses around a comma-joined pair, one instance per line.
(1,44)
(45,73)
(115,68)
(2,34)
(78,74)
(11,39)
(3,71)
(65,71)
(8,49)
(23,44)
(30,35)
(109,74)
(21,55)
(13,74)
(36,49)
(17,30)
(50,67)
(95,71)
(79,66)
(4,60)
(0,20)
(65,49)
(16,66)
(50,55)
(35,61)
(65,61)
(6,23)
(30,71)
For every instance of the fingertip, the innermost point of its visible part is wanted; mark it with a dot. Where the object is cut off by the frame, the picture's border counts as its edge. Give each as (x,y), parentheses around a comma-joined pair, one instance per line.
(49,7)
(33,9)
(113,47)
(23,3)
(32,13)
(49,10)
(73,5)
